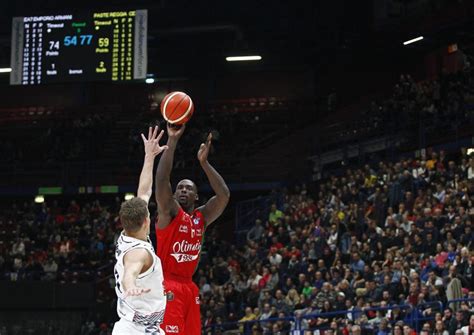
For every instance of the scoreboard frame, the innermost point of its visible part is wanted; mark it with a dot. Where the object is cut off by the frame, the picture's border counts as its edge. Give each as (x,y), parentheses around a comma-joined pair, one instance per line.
(78,47)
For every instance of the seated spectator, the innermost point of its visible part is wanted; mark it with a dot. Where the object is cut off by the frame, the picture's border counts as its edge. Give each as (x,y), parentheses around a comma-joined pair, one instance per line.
(249,316)
(275,214)
(256,232)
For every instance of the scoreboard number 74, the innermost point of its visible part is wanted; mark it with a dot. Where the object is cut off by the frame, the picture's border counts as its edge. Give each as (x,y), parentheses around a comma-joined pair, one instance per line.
(53,45)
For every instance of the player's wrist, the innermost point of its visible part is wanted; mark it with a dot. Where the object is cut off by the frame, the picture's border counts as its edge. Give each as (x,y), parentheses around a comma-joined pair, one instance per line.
(172,141)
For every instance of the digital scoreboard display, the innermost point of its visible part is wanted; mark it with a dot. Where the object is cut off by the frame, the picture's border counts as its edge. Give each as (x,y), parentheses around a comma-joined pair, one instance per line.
(79,47)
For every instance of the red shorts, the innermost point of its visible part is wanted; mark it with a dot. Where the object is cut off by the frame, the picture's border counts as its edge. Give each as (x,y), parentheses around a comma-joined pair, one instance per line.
(182,314)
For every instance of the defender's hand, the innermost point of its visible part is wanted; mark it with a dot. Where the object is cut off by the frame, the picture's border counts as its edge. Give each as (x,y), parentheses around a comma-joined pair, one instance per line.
(135,291)
(152,143)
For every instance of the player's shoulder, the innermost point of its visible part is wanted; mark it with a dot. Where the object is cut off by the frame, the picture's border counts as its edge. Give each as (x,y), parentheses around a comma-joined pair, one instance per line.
(128,243)
(198,211)
(137,252)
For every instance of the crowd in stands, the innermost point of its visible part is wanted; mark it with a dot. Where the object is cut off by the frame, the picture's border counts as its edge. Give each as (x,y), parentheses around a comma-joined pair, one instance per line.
(399,233)
(62,140)
(444,104)
(68,244)
(394,234)
(75,139)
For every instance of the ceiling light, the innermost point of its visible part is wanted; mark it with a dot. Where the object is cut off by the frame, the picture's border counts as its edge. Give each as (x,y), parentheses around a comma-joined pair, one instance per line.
(419,38)
(242,58)
(5,69)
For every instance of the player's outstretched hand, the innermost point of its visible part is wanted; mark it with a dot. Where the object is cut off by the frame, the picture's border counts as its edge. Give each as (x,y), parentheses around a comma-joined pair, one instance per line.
(135,291)
(175,131)
(204,149)
(152,143)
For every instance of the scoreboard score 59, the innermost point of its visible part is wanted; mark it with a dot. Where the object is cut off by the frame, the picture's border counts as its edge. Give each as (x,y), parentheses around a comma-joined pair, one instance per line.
(79,47)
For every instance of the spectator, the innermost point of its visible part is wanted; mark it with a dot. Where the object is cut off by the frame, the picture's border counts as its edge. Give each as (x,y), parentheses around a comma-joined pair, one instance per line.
(457,323)
(440,329)
(50,268)
(275,214)
(249,316)
(469,329)
(256,232)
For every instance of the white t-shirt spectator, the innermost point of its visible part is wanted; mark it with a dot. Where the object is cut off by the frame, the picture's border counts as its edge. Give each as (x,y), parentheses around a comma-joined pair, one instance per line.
(465,330)
(470,172)
(18,248)
(440,195)
(332,240)
(418,172)
(205,289)
(50,267)
(252,281)
(275,259)
(17,263)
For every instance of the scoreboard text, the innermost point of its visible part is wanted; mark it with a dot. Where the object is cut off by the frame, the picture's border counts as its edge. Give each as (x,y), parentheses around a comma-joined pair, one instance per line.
(83,47)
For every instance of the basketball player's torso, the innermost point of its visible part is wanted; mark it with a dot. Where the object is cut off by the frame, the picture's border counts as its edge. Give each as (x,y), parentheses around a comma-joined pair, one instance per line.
(147,308)
(179,244)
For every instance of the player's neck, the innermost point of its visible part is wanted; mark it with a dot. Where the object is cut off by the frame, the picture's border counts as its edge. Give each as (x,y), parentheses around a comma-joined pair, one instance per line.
(139,235)
(189,209)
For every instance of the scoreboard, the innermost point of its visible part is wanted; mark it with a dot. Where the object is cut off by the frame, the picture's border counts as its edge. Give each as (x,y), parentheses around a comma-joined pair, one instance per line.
(70,47)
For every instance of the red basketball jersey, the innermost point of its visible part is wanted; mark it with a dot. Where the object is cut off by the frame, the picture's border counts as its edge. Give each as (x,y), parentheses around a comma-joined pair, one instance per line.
(179,244)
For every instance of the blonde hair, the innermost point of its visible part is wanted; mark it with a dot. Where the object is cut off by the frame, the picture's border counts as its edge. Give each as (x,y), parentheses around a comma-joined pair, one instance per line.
(133,213)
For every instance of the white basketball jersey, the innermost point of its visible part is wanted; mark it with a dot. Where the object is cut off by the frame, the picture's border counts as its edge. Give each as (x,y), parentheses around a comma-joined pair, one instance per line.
(147,309)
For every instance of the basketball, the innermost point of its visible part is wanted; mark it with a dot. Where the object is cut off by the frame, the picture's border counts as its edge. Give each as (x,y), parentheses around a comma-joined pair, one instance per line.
(177,108)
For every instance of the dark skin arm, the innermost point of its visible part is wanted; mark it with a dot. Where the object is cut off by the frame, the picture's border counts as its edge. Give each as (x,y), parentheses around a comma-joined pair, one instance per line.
(168,207)
(216,205)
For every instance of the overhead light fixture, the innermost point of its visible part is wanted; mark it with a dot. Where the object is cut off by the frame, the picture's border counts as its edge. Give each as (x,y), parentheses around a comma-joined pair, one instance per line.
(149,80)
(419,38)
(5,69)
(39,199)
(242,58)
(129,196)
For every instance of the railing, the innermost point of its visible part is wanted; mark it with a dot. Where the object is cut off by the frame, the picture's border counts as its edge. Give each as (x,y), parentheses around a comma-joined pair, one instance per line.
(368,325)
(421,316)
(248,211)
(298,324)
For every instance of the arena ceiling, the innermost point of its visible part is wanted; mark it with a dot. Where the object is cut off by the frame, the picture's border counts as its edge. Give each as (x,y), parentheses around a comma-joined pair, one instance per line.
(187,36)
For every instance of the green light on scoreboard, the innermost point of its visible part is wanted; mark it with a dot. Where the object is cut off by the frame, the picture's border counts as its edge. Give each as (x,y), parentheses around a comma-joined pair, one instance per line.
(50,190)
(108,189)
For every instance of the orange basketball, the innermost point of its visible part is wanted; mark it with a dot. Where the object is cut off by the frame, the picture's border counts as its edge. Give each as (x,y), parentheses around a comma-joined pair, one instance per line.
(177,108)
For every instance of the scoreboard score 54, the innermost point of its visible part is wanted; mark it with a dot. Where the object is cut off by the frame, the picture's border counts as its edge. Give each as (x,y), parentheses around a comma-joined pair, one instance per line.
(79,47)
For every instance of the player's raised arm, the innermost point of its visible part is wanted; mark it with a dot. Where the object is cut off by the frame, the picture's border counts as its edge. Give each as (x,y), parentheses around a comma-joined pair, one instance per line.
(135,262)
(216,205)
(152,149)
(167,205)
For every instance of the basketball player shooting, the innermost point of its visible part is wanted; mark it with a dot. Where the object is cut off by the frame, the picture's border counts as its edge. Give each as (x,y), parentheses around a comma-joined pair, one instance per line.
(179,233)
(139,276)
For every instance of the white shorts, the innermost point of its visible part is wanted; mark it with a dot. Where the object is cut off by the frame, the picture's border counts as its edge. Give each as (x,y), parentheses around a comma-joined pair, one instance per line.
(125,327)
